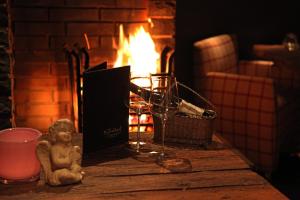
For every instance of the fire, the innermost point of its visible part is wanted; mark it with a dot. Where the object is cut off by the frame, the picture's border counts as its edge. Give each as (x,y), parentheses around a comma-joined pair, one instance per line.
(138,51)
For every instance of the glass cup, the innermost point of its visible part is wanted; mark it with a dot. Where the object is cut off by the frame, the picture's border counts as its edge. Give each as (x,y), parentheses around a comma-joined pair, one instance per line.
(18,160)
(138,105)
(164,103)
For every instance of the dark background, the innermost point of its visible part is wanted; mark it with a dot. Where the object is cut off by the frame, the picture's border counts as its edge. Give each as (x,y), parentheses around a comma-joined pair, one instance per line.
(256,21)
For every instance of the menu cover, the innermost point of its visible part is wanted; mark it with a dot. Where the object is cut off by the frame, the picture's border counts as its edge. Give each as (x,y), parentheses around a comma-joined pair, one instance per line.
(105,115)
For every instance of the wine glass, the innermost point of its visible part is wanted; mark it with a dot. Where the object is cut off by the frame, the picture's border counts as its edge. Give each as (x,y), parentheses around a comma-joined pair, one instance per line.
(164,102)
(138,103)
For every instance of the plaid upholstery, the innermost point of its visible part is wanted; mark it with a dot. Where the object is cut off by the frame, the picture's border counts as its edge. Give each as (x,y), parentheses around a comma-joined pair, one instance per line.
(247,114)
(252,115)
(286,74)
(256,68)
(215,54)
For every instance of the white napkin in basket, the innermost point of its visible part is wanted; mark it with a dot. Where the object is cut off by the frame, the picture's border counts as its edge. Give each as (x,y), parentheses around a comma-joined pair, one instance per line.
(189,108)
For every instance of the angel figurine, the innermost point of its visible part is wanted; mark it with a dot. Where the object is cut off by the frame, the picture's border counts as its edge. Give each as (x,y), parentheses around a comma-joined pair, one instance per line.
(60,160)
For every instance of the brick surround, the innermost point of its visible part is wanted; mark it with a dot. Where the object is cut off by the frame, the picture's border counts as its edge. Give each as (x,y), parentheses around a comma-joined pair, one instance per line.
(41,27)
(6,69)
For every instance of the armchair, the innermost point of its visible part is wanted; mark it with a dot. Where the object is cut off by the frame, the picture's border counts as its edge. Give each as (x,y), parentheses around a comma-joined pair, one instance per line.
(251,115)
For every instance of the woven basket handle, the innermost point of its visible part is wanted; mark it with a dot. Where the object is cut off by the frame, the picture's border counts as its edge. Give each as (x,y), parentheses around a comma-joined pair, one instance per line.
(197,94)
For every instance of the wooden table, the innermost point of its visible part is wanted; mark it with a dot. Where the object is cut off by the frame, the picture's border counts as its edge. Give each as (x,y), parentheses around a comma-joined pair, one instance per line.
(218,172)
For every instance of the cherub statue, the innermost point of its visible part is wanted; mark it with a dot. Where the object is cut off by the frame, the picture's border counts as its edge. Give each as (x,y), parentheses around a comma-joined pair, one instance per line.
(60,160)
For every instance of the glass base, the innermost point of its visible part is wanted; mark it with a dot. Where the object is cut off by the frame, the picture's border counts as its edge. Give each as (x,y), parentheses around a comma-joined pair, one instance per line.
(145,153)
(175,164)
(20,181)
(146,156)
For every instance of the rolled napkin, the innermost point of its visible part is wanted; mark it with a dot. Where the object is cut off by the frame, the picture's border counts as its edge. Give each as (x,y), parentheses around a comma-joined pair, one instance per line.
(189,108)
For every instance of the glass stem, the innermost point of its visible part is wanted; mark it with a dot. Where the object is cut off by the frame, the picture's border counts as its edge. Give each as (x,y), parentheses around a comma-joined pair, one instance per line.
(164,120)
(138,136)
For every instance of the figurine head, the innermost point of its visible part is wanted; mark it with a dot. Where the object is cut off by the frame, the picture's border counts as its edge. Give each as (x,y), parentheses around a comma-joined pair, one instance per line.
(61,131)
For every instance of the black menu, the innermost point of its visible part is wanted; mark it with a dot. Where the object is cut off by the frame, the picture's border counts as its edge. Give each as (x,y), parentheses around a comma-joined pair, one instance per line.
(105,115)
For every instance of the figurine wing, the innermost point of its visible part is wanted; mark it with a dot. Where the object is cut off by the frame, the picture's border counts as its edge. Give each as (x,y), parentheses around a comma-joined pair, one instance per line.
(77,154)
(43,154)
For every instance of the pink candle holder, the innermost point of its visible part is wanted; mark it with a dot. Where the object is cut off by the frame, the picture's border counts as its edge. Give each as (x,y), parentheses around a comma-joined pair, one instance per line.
(18,160)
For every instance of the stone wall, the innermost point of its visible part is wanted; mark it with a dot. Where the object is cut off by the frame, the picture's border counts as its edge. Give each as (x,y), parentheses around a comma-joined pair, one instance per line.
(41,27)
(6,62)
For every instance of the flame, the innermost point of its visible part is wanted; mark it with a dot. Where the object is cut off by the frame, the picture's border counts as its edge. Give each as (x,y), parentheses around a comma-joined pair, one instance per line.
(138,51)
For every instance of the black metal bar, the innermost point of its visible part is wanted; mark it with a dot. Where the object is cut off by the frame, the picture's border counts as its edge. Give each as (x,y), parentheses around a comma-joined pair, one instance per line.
(164,57)
(69,58)
(83,55)
(78,88)
(172,64)
(86,58)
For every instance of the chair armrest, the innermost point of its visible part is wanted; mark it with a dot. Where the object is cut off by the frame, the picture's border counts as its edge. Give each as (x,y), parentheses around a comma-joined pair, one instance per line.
(246,107)
(242,91)
(260,68)
(286,77)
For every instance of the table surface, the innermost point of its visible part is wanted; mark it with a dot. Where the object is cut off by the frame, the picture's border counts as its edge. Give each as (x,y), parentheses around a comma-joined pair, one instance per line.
(218,172)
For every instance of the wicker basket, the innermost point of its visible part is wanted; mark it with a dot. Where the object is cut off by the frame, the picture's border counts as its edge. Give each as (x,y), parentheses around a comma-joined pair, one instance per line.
(185,128)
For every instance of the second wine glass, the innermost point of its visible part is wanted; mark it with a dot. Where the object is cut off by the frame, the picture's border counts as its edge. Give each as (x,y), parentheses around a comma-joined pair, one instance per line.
(163,102)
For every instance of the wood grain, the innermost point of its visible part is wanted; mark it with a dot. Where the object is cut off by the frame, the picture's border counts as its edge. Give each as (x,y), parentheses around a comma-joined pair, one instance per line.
(216,174)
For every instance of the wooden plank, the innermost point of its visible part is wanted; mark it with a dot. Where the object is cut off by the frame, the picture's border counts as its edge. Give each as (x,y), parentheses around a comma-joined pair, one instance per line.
(115,156)
(265,192)
(184,187)
(245,193)
(171,181)
(251,192)
(130,166)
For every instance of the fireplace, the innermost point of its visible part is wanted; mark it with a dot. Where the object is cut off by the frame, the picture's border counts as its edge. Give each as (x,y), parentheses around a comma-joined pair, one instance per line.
(40,29)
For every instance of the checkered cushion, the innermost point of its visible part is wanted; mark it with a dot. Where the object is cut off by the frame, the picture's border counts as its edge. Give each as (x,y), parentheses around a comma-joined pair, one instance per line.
(215,54)
(247,115)
(259,68)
